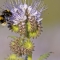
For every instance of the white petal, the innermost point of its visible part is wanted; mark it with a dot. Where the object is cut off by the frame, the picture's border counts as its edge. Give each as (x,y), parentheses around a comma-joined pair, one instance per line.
(15,22)
(29,9)
(23,23)
(21,6)
(25,6)
(14,10)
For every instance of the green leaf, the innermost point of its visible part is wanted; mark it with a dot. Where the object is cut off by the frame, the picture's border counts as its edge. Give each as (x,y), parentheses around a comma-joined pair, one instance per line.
(44,56)
(14,37)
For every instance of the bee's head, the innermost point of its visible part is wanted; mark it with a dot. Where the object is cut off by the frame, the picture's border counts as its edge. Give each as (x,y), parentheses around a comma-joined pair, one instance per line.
(7,13)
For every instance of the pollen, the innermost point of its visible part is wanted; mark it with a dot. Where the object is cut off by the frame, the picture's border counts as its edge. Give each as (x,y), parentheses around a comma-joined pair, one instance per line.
(19,47)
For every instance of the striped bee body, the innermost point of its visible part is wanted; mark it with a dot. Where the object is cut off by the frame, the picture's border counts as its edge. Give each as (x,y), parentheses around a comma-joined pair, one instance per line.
(4,18)
(23,18)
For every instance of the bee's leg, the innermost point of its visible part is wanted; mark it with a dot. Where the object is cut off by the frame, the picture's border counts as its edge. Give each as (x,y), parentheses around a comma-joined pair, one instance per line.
(10,23)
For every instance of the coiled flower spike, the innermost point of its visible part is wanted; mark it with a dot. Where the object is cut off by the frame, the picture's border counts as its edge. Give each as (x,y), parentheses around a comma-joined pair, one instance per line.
(23,18)
(26,18)
(21,48)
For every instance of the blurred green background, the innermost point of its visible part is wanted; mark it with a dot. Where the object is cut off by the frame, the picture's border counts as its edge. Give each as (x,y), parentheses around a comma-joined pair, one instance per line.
(52,14)
(49,40)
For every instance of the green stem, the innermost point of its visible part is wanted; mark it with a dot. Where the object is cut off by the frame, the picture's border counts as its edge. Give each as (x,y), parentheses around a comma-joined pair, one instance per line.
(29,57)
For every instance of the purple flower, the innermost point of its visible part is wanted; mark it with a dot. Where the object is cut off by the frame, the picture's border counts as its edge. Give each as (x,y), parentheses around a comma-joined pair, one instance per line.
(19,10)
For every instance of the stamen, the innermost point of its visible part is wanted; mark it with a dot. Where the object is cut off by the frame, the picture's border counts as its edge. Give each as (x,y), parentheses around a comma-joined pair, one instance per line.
(40,6)
(28,2)
(11,2)
(25,1)
(32,2)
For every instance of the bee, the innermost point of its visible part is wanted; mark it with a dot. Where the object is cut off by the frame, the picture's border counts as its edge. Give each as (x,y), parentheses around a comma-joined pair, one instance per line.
(6,14)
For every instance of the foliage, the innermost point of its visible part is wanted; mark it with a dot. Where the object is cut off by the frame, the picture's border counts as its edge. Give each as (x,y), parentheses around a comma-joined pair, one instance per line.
(44,56)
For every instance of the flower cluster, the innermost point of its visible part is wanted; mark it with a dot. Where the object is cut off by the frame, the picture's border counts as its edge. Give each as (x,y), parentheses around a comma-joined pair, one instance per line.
(21,47)
(26,19)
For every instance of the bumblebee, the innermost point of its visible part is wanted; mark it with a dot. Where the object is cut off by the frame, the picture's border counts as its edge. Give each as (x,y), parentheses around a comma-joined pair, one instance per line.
(2,20)
(6,14)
